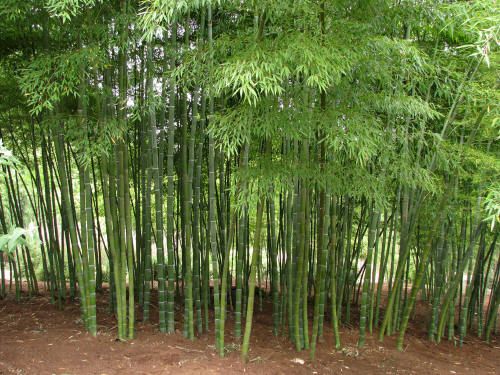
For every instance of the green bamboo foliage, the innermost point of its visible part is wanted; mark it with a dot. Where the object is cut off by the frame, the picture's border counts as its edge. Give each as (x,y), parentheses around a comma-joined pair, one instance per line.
(217,162)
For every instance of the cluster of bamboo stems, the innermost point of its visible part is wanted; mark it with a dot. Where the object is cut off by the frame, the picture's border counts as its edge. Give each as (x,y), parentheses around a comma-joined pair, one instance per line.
(301,246)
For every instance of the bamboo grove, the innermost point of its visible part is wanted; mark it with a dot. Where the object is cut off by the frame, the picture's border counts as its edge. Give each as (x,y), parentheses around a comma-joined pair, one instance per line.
(336,161)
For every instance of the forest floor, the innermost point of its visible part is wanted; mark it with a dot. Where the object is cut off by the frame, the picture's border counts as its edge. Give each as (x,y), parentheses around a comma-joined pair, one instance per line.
(37,338)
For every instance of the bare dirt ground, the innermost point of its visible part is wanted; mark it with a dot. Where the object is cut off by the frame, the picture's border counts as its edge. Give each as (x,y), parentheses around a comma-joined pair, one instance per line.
(37,338)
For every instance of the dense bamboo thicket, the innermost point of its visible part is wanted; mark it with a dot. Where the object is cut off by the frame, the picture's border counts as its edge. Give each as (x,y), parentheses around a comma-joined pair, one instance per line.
(334,160)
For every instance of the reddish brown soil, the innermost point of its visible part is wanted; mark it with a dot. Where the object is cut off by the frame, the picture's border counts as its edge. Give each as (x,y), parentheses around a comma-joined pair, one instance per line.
(37,338)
